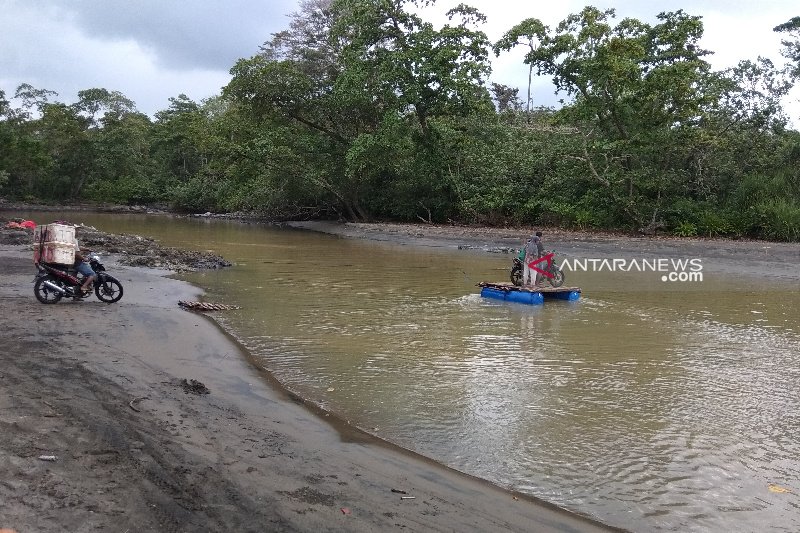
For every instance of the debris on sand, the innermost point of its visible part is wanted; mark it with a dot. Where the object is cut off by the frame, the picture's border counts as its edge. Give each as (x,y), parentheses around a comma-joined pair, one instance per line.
(135,401)
(132,250)
(193,386)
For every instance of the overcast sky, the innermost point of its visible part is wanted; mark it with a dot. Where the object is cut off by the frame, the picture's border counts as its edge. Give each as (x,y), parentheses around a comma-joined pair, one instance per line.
(151,50)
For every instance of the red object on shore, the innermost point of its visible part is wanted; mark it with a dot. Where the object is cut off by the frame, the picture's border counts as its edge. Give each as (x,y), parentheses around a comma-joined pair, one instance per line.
(25,224)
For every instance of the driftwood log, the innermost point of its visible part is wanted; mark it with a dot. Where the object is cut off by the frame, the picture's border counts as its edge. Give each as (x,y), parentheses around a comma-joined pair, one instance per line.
(206,306)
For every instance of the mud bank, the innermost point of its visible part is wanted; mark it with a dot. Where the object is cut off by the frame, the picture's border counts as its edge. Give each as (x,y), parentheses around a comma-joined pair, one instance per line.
(131,250)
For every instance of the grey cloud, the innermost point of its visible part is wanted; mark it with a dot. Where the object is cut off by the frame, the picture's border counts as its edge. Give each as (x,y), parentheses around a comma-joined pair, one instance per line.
(182,34)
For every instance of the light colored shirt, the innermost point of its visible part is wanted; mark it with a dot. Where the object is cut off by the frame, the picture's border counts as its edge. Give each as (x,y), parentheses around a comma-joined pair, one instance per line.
(534,248)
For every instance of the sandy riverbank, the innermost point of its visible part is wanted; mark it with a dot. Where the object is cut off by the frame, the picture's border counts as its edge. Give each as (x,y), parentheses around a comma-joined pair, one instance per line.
(100,388)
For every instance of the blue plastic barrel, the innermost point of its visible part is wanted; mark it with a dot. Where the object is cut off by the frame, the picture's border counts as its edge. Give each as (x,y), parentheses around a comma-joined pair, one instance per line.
(566,295)
(523,297)
(487,292)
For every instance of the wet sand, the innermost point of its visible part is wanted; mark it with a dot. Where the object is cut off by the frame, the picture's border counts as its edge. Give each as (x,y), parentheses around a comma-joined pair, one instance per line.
(101,433)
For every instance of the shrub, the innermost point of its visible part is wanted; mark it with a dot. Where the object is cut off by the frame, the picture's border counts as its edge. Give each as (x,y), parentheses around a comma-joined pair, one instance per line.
(779,219)
(712,224)
(685,229)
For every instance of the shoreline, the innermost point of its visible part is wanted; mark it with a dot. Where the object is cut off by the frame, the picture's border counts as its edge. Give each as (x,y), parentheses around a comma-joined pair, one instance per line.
(103,389)
(746,259)
(741,257)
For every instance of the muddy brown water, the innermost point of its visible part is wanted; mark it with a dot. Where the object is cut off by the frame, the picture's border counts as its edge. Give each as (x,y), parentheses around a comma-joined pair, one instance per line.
(645,405)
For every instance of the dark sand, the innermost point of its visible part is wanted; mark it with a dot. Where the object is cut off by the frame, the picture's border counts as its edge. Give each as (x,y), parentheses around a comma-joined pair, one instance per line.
(99,388)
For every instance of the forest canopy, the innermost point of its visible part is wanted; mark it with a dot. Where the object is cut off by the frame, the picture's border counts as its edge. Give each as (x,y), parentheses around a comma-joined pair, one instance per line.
(362,110)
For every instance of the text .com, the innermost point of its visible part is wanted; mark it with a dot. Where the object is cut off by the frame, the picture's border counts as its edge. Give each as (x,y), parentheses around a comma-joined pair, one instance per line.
(671,270)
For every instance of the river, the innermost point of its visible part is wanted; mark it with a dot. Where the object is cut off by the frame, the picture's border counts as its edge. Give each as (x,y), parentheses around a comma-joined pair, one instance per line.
(645,408)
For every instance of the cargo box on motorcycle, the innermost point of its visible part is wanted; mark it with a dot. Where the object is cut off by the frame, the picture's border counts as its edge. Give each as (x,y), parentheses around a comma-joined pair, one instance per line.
(54,243)
(54,233)
(60,253)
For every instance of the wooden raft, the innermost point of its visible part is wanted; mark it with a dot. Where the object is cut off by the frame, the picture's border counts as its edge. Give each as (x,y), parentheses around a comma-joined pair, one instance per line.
(508,286)
(527,295)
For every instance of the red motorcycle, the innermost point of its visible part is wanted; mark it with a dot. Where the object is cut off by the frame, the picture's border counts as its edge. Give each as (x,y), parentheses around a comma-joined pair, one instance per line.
(555,276)
(53,282)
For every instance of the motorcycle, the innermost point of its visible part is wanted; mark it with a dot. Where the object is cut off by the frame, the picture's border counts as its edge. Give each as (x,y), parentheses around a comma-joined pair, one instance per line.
(556,278)
(53,282)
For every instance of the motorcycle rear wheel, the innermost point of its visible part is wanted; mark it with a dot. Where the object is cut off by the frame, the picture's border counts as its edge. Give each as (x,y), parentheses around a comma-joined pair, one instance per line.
(45,294)
(516,276)
(108,290)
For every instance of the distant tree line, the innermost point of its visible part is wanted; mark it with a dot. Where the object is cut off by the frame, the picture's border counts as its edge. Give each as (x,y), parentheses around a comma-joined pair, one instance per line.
(362,110)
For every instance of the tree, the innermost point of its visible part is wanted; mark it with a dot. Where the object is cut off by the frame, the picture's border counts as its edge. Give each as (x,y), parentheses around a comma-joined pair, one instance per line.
(526,33)
(6,139)
(33,98)
(92,101)
(753,93)
(4,104)
(307,42)
(409,71)
(506,97)
(341,83)
(63,132)
(24,155)
(638,91)
(303,128)
(407,64)
(791,48)
(178,134)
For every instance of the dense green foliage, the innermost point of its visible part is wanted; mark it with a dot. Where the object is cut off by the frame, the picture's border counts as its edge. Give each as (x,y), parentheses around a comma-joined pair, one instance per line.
(361,109)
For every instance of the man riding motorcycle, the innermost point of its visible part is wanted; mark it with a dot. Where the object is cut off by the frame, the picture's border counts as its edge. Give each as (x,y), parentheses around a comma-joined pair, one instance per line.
(82,266)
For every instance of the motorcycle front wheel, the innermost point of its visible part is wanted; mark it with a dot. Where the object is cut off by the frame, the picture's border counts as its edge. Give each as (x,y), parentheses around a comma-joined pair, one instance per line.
(558,277)
(108,289)
(45,294)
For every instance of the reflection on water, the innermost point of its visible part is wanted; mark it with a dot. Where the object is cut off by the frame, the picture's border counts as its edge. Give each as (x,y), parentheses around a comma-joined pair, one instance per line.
(646,408)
